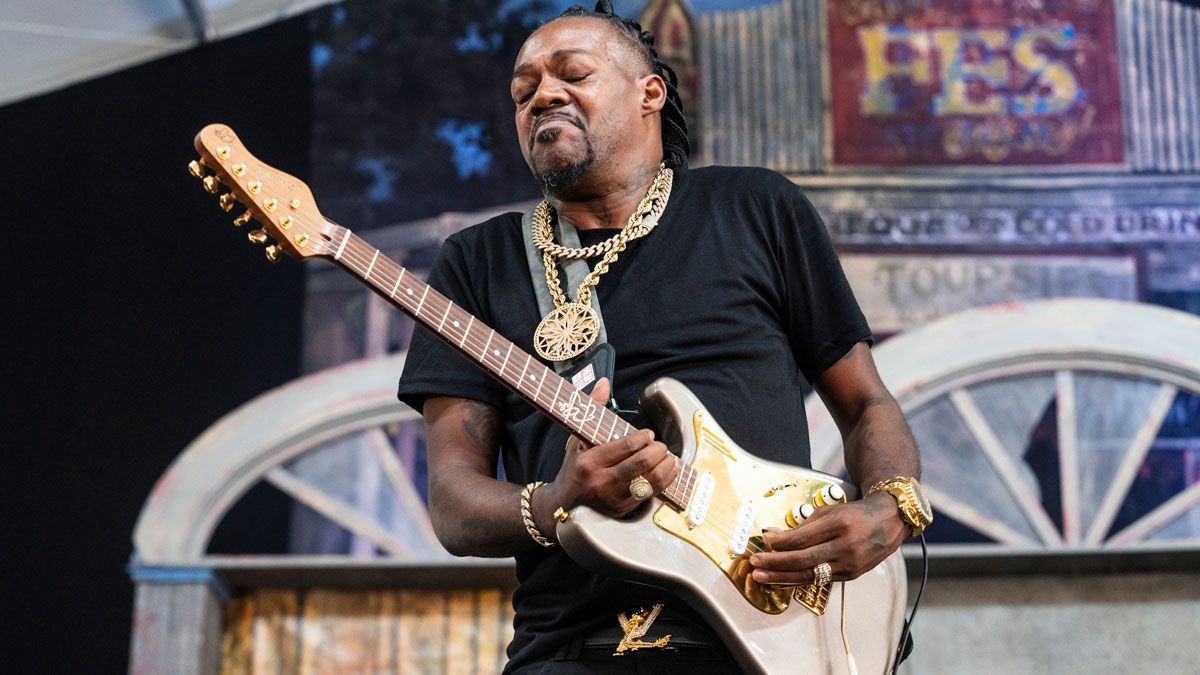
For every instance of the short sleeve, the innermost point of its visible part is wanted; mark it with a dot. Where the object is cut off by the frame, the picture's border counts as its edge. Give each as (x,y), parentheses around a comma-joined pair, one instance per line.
(822,315)
(433,368)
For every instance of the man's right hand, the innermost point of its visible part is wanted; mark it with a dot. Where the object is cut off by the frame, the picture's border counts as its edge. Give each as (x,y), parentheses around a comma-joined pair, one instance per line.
(599,476)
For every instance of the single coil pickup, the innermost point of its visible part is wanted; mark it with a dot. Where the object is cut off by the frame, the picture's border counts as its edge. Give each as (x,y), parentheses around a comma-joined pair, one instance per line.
(698,505)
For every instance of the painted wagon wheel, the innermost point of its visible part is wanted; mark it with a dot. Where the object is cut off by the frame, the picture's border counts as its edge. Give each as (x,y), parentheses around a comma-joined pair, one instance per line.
(351,408)
(1065,424)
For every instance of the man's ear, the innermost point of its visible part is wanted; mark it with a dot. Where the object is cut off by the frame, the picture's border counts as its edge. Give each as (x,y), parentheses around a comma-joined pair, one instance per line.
(654,94)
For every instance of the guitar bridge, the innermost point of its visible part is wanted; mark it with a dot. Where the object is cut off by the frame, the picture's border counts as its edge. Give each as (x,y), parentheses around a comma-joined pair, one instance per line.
(814,597)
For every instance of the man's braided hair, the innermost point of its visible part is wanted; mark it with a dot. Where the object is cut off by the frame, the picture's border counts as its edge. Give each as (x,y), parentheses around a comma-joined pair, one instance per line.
(676,146)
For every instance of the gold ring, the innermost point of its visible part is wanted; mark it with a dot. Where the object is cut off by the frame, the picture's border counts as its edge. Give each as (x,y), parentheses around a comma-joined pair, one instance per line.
(822,574)
(641,489)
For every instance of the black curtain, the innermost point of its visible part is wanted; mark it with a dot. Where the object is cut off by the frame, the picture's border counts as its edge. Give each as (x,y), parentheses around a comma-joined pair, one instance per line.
(134,317)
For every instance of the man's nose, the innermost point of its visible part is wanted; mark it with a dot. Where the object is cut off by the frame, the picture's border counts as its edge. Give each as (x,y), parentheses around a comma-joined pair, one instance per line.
(549,95)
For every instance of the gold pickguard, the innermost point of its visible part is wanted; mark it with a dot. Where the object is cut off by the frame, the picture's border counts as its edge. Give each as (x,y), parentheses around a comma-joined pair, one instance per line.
(741,478)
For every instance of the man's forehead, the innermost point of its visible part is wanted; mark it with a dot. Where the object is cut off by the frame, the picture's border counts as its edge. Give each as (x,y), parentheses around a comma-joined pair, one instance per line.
(567,36)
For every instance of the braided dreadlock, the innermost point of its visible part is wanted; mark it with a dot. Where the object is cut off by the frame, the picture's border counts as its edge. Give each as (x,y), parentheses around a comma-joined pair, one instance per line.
(676,146)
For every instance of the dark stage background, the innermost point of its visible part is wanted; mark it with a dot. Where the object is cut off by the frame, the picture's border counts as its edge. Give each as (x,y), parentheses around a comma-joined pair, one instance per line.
(134,316)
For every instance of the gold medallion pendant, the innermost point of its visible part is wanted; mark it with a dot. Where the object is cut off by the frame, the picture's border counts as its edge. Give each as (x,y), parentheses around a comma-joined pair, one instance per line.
(566,332)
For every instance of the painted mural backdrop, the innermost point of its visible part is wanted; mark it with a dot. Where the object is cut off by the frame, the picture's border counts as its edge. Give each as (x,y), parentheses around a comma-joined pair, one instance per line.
(413,140)
(945,82)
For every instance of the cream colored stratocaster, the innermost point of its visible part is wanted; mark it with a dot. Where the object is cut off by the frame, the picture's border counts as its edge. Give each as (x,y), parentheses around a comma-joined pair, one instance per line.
(695,538)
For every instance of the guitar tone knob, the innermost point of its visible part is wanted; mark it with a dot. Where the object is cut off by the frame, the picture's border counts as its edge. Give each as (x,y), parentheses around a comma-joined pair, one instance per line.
(799,514)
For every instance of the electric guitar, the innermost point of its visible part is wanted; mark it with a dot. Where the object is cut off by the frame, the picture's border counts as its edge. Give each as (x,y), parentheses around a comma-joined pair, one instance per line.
(695,538)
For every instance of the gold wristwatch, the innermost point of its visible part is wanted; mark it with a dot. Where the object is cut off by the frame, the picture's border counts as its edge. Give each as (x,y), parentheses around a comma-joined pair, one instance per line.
(914,507)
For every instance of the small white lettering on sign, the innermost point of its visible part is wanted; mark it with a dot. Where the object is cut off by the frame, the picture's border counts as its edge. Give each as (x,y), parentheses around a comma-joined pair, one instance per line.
(584,377)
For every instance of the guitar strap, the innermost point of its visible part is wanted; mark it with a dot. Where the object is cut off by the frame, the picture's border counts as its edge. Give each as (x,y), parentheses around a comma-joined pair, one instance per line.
(598,361)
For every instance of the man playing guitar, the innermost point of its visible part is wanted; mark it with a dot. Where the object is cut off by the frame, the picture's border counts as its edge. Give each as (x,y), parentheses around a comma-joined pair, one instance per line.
(723,278)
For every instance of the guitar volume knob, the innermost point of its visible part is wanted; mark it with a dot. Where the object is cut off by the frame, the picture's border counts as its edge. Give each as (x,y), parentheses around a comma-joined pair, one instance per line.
(830,494)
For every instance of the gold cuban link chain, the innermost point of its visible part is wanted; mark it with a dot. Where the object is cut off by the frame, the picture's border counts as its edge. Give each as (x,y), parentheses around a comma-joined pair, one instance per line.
(650,209)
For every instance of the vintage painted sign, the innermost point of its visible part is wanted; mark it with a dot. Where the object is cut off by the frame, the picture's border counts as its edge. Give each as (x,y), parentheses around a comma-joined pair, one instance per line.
(1007,226)
(901,291)
(960,82)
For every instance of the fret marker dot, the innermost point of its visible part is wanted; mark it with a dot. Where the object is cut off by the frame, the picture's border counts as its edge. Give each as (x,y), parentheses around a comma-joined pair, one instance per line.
(456,324)
(496,352)
(532,377)
(409,291)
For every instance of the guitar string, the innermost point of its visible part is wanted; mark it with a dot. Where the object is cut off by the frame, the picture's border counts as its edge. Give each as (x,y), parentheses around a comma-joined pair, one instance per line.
(721,526)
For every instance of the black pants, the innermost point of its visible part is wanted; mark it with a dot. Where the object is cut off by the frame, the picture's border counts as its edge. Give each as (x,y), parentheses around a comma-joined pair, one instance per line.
(578,658)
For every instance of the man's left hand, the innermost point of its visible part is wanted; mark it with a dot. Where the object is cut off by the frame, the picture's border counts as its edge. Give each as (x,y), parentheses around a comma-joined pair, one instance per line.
(852,538)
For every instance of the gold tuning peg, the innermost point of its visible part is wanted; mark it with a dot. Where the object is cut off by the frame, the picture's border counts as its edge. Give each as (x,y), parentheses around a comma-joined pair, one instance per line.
(273,253)
(196,168)
(227,201)
(257,236)
(242,219)
(212,184)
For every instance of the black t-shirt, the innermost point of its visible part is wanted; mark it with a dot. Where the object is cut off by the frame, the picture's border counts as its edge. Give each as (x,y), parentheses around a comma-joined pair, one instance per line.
(737,293)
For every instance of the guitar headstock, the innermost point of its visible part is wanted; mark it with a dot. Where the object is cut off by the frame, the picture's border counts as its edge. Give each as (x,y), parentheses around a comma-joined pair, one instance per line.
(280,203)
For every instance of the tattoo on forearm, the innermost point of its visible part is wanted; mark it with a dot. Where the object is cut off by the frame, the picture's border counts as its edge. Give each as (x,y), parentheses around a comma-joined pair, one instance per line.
(480,422)
(881,443)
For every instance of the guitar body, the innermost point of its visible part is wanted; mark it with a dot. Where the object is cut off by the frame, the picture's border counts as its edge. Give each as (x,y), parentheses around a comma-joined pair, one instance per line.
(767,629)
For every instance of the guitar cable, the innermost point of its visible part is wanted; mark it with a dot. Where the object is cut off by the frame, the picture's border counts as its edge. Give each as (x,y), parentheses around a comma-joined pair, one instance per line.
(905,647)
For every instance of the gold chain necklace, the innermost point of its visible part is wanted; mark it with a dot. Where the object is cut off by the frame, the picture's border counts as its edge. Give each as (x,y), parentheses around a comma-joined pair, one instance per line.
(571,327)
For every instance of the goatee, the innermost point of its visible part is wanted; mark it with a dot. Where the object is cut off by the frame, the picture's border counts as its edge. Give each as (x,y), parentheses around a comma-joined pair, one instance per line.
(566,177)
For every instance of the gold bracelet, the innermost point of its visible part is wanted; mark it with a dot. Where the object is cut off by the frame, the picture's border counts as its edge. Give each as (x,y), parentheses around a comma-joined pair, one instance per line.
(527,514)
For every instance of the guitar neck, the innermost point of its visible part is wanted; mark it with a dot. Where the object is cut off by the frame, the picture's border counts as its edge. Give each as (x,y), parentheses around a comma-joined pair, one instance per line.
(540,386)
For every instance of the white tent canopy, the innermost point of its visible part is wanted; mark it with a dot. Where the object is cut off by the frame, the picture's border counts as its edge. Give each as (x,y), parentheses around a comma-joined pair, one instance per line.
(49,44)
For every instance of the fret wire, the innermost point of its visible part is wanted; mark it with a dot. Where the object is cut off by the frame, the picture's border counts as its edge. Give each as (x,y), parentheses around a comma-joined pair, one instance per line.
(554,398)
(483,354)
(540,383)
(466,332)
(418,310)
(449,305)
(521,377)
(604,413)
(372,265)
(506,355)
(397,285)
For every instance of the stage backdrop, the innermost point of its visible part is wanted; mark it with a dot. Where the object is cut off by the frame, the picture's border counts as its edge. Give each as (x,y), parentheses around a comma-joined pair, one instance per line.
(962,152)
